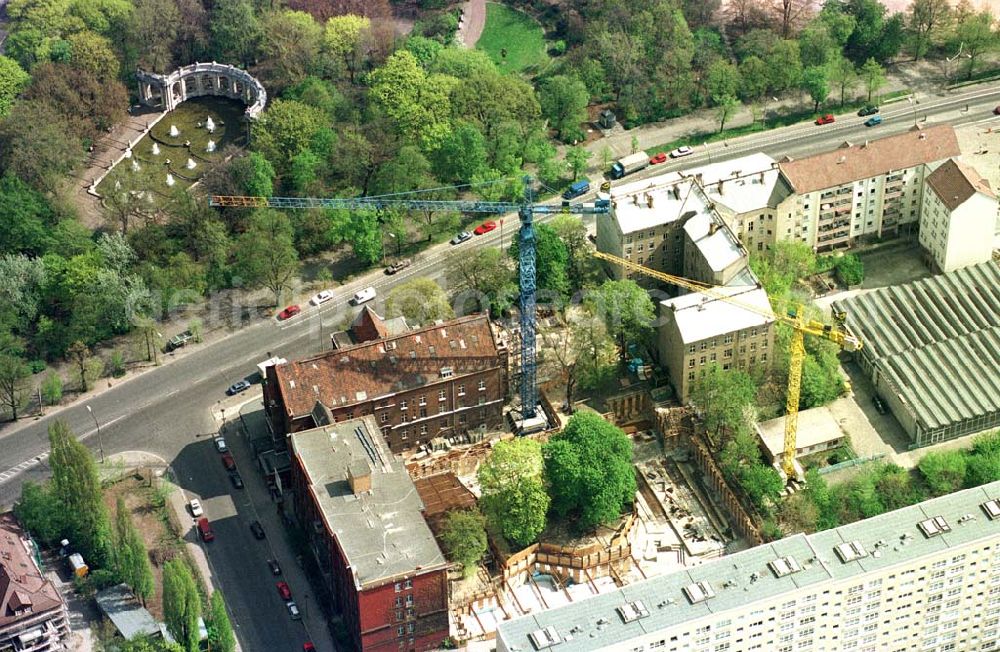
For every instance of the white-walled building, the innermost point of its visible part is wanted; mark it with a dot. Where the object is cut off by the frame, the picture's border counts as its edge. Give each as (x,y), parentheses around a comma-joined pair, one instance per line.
(925,578)
(866,191)
(958,218)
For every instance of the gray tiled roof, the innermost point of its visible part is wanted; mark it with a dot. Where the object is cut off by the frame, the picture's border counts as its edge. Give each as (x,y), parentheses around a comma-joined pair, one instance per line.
(889,539)
(937,340)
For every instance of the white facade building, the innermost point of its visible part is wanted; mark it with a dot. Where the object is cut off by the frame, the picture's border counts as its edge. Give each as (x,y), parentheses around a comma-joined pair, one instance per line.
(958,218)
(925,578)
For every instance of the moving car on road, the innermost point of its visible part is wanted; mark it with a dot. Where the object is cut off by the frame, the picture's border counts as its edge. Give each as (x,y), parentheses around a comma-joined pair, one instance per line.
(196,509)
(288,312)
(398,265)
(237,387)
(874,120)
(682,151)
(322,297)
(579,188)
(870,109)
(825,119)
(461,237)
(363,296)
(485,227)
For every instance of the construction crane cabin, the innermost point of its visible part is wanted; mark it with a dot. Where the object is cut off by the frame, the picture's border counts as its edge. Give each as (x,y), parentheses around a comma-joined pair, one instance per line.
(532,419)
(795,319)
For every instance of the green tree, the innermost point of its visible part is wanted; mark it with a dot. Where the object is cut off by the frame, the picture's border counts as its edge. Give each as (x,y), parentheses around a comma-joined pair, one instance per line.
(815,82)
(816,46)
(130,555)
(361,229)
(486,277)
(573,234)
(416,103)
(873,76)
(253,174)
(12,81)
(52,388)
(588,467)
(265,255)
(463,535)
(181,603)
(976,32)
(514,500)
(220,630)
(421,301)
(842,75)
(148,644)
(576,160)
(762,485)
(927,19)
(286,129)
(41,513)
(291,47)
(982,468)
(726,106)
(77,487)
(725,398)
(37,145)
(150,33)
(344,41)
(564,104)
(722,79)
(462,154)
(579,352)
(14,386)
(551,259)
(943,472)
(80,355)
(784,67)
(236,31)
(626,309)
(850,270)
(753,78)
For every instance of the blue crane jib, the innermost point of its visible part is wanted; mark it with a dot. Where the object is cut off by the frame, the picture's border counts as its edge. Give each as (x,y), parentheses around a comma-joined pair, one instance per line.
(527,276)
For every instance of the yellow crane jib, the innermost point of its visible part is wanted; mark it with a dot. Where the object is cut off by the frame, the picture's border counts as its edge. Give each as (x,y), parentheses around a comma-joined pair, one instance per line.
(796,319)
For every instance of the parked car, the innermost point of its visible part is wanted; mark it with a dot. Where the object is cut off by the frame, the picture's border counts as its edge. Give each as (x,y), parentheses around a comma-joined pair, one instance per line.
(308,647)
(288,312)
(293,610)
(874,120)
(205,530)
(879,404)
(398,265)
(461,237)
(658,158)
(363,296)
(581,187)
(228,461)
(680,152)
(825,119)
(220,445)
(284,590)
(273,565)
(257,529)
(196,509)
(238,387)
(179,340)
(870,109)
(485,227)
(322,297)
(236,479)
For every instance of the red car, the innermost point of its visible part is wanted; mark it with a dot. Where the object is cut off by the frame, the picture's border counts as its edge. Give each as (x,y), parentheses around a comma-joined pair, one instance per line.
(228,461)
(308,647)
(284,591)
(658,158)
(825,119)
(290,311)
(485,227)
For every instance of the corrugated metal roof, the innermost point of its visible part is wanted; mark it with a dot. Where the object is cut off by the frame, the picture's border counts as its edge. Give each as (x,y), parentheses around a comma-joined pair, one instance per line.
(937,340)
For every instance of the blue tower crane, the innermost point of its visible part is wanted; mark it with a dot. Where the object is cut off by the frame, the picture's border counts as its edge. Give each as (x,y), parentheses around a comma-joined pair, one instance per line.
(527,277)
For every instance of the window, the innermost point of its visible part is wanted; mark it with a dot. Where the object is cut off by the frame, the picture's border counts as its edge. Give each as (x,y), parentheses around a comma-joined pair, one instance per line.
(423,412)
(461,419)
(398,587)
(404,435)
(385,417)
(702,361)
(423,400)
(400,631)
(461,390)
(402,405)
(482,385)
(423,429)
(441,395)
(691,363)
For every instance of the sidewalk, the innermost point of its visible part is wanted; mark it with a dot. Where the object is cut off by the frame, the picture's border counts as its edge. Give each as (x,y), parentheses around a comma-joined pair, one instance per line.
(922,77)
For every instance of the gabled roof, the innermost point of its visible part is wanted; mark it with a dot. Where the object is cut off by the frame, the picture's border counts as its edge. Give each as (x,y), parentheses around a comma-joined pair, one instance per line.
(954,183)
(363,372)
(849,162)
(700,317)
(368,326)
(22,585)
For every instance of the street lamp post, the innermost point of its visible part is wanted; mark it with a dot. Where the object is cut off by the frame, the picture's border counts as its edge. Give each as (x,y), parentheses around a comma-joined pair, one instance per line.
(913,105)
(100,442)
(709,153)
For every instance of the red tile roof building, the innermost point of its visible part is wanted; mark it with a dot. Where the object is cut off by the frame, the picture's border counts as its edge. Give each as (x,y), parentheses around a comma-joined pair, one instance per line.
(438,381)
(32,613)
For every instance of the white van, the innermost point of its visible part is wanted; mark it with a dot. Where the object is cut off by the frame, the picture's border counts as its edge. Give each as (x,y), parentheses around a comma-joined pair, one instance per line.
(364,296)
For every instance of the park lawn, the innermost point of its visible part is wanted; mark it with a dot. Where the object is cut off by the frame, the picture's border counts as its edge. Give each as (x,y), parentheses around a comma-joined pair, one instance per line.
(519,33)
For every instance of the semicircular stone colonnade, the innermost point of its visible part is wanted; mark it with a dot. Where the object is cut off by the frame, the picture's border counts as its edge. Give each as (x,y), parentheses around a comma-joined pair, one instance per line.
(220,79)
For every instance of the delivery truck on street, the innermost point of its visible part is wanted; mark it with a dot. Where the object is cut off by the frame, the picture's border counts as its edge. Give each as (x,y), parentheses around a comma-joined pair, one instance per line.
(629,164)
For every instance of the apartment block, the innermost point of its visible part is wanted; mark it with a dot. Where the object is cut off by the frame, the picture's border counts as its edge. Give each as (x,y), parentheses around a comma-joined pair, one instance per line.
(924,578)
(364,523)
(32,613)
(861,192)
(958,217)
(440,381)
(697,332)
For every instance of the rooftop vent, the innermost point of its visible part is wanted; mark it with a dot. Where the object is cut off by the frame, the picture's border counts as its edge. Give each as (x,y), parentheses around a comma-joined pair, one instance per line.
(544,638)
(783,566)
(850,551)
(992,508)
(361,396)
(699,592)
(842,159)
(447,372)
(934,526)
(633,611)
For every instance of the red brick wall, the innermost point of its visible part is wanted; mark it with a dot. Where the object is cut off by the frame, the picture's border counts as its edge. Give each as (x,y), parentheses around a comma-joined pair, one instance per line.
(381,618)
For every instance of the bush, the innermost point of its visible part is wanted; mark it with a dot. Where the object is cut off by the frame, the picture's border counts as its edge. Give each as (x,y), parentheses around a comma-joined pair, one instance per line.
(52,388)
(37,366)
(850,270)
(559,48)
(197,328)
(117,364)
(464,538)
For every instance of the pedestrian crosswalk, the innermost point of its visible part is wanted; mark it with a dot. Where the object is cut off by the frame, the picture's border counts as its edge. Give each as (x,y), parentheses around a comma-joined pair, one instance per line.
(22,467)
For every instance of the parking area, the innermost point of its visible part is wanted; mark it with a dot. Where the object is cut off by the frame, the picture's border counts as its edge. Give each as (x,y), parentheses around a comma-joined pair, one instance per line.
(236,560)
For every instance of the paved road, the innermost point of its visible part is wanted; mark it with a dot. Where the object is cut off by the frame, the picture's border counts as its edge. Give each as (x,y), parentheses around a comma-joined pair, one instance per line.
(168,410)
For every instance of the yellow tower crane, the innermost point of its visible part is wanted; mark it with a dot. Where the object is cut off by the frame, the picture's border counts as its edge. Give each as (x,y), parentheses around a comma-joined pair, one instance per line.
(795,318)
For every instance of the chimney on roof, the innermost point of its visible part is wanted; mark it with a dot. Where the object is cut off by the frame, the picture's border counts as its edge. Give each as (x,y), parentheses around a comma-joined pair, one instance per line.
(699,178)
(635,200)
(677,191)
(762,177)
(923,136)
(865,146)
(721,185)
(359,477)
(842,159)
(712,228)
(649,199)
